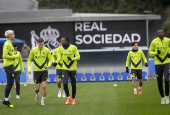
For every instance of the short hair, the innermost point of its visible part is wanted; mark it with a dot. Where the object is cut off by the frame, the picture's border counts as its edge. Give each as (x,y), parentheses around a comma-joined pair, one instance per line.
(8,32)
(66,38)
(25,43)
(14,45)
(40,40)
(133,43)
(159,29)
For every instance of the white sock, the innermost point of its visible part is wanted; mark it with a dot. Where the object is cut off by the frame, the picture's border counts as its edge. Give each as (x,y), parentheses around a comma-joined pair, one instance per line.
(73,98)
(60,89)
(134,89)
(63,91)
(163,97)
(37,94)
(43,98)
(6,99)
(166,96)
(139,87)
(68,97)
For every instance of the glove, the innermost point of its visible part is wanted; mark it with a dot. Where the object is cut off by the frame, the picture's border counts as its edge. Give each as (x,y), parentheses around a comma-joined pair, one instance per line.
(23,72)
(146,64)
(158,51)
(54,64)
(168,55)
(127,70)
(69,58)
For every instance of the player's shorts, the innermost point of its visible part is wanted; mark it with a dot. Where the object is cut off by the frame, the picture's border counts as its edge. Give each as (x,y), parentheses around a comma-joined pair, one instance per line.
(71,74)
(40,76)
(136,72)
(59,74)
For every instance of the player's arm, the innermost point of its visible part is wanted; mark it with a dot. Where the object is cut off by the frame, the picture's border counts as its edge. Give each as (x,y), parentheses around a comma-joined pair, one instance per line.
(6,55)
(77,55)
(144,58)
(49,58)
(53,57)
(59,58)
(128,60)
(21,64)
(152,48)
(31,55)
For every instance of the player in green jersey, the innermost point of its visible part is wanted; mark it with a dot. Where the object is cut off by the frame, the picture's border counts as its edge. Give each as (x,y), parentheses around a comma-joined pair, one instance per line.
(58,66)
(69,54)
(136,56)
(40,55)
(17,73)
(8,64)
(160,48)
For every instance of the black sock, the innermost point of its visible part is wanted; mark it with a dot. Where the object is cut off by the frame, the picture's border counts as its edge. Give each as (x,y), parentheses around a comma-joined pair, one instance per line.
(160,87)
(66,89)
(167,88)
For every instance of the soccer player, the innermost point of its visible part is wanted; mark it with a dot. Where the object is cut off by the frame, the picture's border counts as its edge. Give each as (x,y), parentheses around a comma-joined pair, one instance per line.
(8,64)
(69,54)
(17,73)
(136,56)
(160,48)
(40,54)
(58,67)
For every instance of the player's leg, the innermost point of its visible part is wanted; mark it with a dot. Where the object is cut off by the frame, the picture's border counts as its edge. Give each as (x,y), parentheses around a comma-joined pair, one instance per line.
(17,82)
(44,80)
(65,82)
(73,83)
(159,76)
(37,85)
(133,75)
(10,81)
(166,80)
(59,76)
(139,76)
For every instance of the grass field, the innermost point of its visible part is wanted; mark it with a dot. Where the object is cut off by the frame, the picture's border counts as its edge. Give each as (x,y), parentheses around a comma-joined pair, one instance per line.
(100,98)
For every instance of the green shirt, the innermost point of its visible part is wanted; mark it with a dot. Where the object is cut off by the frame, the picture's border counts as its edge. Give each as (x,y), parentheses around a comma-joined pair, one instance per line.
(162,45)
(136,59)
(55,57)
(18,62)
(39,57)
(71,52)
(8,54)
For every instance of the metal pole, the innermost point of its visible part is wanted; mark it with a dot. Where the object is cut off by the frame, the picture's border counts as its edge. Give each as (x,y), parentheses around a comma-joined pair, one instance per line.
(147,37)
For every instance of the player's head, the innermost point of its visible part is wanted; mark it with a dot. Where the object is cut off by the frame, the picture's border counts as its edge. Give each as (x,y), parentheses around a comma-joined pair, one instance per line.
(160,33)
(25,44)
(135,45)
(15,47)
(64,41)
(60,43)
(10,34)
(40,43)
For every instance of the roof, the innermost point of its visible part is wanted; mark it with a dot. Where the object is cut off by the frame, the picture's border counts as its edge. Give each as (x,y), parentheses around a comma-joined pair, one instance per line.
(66,15)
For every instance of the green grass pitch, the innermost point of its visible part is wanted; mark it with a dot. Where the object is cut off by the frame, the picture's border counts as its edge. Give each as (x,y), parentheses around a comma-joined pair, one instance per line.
(97,98)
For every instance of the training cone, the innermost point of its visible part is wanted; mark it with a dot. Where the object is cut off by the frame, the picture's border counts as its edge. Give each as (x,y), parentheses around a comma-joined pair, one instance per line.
(25,84)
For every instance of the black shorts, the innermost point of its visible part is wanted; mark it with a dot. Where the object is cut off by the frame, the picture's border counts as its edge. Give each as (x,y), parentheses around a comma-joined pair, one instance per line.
(67,74)
(40,76)
(136,72)
(59,74)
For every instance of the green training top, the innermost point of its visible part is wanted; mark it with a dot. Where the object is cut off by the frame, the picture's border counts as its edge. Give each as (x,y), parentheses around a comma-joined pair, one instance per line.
(136,59)
(71,52)
(55,57)
(39,57)
(162,45)
(8,54)
(18,62)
